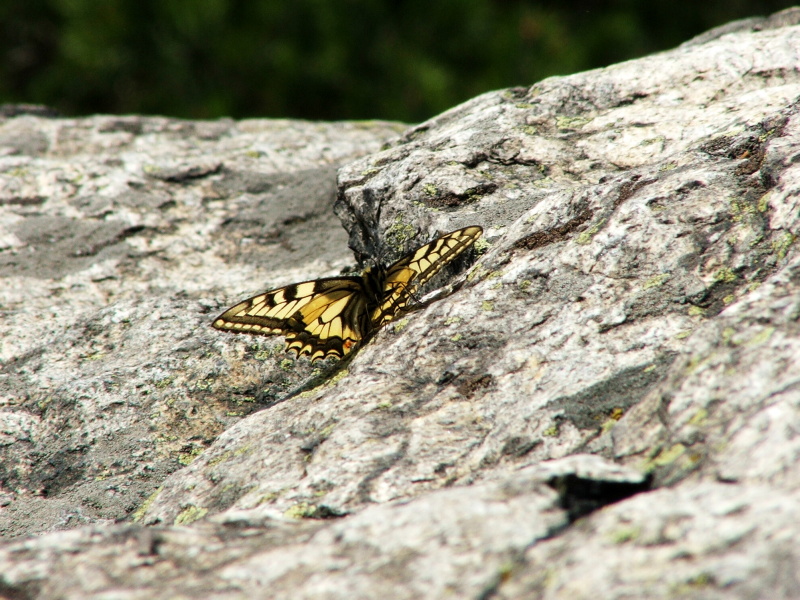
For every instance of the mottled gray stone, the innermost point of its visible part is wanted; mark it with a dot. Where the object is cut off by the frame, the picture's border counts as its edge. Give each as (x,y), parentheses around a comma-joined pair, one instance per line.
(111,271)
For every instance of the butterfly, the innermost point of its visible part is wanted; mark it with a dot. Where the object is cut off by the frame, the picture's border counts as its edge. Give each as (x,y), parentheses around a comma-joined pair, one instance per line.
(332,316)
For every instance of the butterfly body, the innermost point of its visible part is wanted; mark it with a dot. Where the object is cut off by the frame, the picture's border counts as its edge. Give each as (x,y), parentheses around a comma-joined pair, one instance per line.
(332,316)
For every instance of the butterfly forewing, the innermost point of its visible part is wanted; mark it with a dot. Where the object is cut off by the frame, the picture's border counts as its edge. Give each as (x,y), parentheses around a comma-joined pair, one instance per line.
(411,272)
(332,316)
(312,315)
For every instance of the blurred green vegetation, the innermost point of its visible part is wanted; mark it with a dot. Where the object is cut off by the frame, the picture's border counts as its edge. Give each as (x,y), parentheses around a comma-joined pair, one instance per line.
(322,59)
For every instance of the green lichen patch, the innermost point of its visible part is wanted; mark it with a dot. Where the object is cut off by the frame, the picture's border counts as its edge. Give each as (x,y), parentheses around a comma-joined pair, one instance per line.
(165,382)
(585,237)
(341,374)
(670,166)
(741,208)
(624,535)
(301,510)
(724,275)
(761,337)
(615,415)
(781,245)
(478,272)
(656,281)
(551,431)
(699,418)
(400,325)
(203,385)
(481,246)
(668,456)
(430,190)
(399,234)
(267,498)
(190,514)
(326,431)
(186,457)
(220,459)
(690,587)
(140,512)
(659,139)
(763,203)
(573,123)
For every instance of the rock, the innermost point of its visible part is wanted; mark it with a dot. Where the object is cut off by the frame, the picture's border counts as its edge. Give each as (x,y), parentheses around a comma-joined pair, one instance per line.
(607,405)
(121,238)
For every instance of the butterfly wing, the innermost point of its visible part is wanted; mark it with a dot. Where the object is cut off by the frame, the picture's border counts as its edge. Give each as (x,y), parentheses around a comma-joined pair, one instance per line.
(411,272)
(321,318)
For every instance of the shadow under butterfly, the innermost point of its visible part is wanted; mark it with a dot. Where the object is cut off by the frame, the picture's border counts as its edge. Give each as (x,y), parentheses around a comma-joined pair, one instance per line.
(335,315)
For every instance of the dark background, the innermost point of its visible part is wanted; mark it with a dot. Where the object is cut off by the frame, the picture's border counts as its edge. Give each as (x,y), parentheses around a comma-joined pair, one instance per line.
(322,59)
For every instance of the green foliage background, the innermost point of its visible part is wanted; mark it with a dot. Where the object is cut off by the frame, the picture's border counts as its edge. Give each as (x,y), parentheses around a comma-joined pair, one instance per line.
(322,59)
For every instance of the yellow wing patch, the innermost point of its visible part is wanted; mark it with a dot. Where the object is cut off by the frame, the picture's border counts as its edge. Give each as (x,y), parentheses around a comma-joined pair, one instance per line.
(332,316)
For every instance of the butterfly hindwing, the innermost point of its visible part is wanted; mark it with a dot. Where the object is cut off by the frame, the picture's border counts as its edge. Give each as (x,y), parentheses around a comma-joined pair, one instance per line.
(320,318)
(412,271)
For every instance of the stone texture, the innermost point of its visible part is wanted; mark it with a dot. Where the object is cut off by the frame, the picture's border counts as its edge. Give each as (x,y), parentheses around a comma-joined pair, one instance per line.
(119,239)
(606,405)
